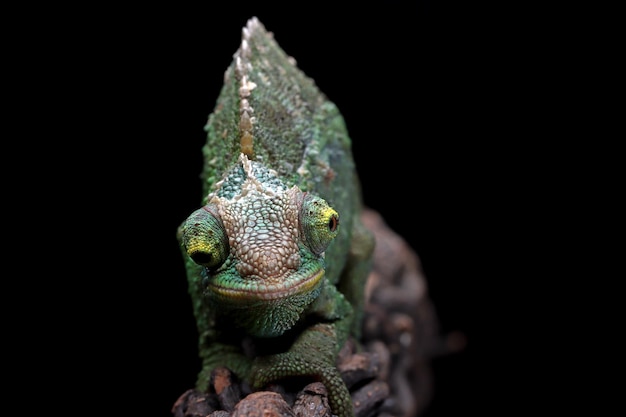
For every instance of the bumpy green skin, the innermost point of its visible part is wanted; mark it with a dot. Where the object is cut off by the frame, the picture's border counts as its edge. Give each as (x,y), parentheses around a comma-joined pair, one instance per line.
(296,138)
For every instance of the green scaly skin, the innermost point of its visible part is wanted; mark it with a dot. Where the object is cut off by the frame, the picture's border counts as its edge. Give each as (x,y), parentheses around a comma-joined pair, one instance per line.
(277,259)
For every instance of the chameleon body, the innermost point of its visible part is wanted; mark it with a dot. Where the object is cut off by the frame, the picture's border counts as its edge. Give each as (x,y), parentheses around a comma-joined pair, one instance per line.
(276,257)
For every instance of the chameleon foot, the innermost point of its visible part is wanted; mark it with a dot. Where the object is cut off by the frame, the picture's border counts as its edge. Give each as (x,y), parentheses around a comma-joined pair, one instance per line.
(275,367)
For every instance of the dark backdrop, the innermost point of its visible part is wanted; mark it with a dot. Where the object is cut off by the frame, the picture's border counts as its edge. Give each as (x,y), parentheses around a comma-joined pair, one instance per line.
(413,83)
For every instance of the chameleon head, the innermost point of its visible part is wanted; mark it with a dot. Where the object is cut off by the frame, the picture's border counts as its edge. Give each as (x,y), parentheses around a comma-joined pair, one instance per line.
(262,248)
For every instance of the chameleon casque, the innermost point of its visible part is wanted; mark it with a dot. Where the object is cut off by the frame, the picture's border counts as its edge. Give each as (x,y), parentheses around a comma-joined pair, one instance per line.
(277,256)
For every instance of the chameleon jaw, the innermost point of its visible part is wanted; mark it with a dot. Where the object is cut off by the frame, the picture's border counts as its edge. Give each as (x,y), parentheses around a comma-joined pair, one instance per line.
(258,290)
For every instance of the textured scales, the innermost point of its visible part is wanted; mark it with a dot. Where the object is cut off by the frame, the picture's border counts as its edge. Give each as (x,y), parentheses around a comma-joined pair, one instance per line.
(277,258)
(263,236)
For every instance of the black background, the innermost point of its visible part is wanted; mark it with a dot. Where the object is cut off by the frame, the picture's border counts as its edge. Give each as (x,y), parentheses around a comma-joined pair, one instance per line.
(407,88)
(421,96)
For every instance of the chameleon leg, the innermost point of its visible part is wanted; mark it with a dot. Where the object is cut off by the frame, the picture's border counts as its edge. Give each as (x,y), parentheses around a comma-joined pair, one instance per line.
(216,355)
(310,355)
(357,269)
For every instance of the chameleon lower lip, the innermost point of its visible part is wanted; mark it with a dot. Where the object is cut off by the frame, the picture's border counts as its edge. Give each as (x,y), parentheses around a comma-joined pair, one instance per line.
(269,292)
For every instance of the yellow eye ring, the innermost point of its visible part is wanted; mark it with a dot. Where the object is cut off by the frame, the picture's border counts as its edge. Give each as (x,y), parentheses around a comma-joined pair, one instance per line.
(319,223)
(204,238)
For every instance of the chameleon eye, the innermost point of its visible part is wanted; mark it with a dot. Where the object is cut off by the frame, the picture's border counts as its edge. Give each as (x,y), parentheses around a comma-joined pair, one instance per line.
(204,238)
(319,223)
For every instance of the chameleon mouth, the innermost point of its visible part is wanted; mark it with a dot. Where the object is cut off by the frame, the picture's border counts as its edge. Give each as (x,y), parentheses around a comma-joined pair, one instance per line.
(259,290)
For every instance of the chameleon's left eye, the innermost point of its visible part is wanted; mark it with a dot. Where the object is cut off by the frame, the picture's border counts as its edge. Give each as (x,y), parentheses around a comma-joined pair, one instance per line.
(204,238)
(319,223)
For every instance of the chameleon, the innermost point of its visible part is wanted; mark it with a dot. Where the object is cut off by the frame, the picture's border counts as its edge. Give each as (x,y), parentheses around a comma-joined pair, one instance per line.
(276,257)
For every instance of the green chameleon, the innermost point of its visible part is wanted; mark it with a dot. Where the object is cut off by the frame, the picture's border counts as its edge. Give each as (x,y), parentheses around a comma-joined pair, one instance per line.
(277,257)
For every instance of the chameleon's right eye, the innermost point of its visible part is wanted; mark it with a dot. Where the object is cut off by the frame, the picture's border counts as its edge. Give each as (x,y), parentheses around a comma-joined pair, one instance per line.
(204,238)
